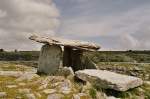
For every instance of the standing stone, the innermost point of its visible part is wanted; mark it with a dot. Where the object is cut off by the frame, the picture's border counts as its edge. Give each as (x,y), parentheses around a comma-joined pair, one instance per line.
(76,59)
(50,59)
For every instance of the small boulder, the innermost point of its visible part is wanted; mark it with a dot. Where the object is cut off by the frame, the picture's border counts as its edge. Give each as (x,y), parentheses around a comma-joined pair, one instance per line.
(66,71)
(109,80)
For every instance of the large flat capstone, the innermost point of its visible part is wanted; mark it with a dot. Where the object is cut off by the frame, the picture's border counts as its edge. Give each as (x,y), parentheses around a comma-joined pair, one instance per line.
(50,59)
(109,80)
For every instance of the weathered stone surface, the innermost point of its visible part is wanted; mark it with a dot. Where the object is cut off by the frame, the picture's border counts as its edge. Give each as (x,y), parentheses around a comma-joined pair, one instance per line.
(64,42)
(27,76)
(50,59)
(109,80)
(65,71)
(3,94)
(55,96)
(11,73)
(15,73)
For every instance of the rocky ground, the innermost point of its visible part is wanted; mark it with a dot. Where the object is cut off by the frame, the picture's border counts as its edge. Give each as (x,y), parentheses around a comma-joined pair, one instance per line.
(18,80)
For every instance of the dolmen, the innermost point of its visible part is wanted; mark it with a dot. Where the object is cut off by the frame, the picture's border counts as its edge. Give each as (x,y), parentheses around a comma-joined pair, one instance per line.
(58,52)
(109,80)
(52,56)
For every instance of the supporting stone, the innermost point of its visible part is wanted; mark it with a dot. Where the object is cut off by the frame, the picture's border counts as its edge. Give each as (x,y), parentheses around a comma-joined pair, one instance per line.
(50,59)
(67,60)
(76,59)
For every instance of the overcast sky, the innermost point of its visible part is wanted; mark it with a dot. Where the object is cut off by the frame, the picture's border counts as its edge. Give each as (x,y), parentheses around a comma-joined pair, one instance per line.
(113,24)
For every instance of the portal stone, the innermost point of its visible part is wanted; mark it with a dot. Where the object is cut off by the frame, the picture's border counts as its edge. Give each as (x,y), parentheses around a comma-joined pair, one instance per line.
(50,59)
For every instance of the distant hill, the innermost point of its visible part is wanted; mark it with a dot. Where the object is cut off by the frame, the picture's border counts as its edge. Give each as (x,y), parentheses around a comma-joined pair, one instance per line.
(19,56)
(120,56)
(100,56)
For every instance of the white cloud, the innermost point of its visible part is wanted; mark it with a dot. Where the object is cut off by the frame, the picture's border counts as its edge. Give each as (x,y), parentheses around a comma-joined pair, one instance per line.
(19,18)
(124,26)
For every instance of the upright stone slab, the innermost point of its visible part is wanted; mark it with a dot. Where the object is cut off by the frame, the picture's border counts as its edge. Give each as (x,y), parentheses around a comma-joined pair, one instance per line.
(109,80)
(76,59)
(50,59)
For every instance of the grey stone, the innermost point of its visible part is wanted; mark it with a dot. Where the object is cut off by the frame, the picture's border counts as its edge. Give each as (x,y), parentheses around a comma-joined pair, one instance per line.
(50,59)
(66,71)
(27,76)
(109,80)
(11,73)
(55,96)
(3,94)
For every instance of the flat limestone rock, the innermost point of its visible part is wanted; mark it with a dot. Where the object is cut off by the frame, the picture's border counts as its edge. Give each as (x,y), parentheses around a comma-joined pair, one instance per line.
(109,80)
(50,59)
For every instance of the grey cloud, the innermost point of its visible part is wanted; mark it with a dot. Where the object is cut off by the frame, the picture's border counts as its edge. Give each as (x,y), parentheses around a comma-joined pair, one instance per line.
(129,29)
(19,18)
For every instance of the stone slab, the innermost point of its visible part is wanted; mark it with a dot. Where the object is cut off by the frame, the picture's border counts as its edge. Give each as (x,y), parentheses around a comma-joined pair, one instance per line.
(109,80)
(50,59)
